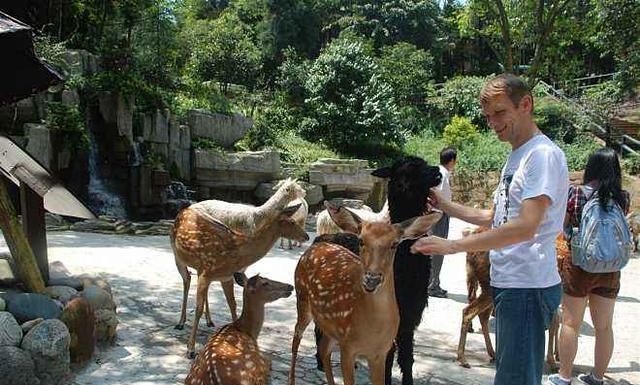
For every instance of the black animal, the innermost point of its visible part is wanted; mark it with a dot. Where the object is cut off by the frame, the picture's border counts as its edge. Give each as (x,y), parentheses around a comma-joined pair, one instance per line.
(409,182)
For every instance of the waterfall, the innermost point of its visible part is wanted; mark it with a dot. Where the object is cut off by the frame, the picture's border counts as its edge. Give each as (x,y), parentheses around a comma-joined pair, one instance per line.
(102,200)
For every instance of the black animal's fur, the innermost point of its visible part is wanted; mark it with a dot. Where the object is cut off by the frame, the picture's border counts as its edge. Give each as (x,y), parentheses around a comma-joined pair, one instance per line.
(409,184)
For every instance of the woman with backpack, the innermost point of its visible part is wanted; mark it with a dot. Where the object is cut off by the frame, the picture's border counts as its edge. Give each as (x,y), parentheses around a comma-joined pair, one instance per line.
(600,196)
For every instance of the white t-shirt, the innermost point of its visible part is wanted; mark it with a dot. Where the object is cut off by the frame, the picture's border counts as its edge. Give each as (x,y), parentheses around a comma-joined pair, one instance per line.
(536,168)
(444,185)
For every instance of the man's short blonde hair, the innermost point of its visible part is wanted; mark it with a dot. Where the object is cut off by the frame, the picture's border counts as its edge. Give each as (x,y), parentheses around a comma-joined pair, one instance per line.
(511,85)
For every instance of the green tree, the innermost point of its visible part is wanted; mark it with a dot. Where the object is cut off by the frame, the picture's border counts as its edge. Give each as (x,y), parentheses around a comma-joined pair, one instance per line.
(348,103)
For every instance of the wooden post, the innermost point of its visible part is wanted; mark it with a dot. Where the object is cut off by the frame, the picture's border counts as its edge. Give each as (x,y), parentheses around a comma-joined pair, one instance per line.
(19,247)
(33,224)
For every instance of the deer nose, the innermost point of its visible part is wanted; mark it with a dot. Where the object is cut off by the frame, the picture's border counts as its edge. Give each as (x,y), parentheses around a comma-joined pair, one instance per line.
(371,281)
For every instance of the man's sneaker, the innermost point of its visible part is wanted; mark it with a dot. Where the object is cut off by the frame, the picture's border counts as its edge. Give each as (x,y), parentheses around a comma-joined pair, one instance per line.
(589,379)
(555,379)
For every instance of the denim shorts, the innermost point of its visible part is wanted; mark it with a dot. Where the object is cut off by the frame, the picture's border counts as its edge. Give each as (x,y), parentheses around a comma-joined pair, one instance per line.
(522,315)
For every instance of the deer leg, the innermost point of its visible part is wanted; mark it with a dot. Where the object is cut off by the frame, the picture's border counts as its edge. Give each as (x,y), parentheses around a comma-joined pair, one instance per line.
(324,350)
(304,317)
(207,313)
(468,313)
(388,365)
(281,242)
(319,337)
(227,287)
(376,369)
(186,283)
(289,244)
(348,359)
(201,297)
(484,325)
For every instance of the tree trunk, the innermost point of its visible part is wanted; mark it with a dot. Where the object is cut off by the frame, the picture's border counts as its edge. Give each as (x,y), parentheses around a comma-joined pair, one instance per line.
(19,247)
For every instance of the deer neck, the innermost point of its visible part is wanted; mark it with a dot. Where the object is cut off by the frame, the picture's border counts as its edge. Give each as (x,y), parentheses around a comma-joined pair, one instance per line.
(270,209)
(261,241)
(251,319)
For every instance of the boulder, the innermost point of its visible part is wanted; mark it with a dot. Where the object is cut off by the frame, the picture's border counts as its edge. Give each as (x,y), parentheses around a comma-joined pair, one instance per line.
(98,298)
(39,143)
(63,294)
(342,177)
(90,280)
(7,277)
(10,330)
(225,130)
(81,322)
(28,306)
(241,171)
(48,344)
(3,305)
(17,367)
(30,325)
(106,324)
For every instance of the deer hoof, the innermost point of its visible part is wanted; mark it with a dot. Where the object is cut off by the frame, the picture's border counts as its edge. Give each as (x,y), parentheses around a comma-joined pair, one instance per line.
(179,327)
(464,364)
(211,324)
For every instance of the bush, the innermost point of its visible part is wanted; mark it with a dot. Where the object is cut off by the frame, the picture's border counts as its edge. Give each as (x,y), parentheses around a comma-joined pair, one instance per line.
(555,120)
(485,152)
(347,102)
(631,164)
(67,121)
(459,96)
(459,131)
(299,153)
(425,145)
(579,150)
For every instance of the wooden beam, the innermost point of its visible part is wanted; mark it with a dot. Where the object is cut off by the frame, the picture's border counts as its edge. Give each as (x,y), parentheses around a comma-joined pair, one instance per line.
(19,247)
(33,224)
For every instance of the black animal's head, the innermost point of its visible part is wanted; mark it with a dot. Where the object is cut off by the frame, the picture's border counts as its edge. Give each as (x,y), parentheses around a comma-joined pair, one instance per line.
(410,179)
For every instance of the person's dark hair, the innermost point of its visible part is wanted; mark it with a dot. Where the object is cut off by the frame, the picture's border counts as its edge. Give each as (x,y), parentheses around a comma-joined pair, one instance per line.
(603,167)
(448,154)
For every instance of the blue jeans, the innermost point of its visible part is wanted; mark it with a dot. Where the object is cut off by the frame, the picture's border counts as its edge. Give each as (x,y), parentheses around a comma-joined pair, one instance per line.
(522,315)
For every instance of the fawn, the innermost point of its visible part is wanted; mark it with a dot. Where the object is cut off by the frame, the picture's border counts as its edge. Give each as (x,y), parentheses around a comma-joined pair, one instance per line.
(351,298)
(478,269)
(231,356)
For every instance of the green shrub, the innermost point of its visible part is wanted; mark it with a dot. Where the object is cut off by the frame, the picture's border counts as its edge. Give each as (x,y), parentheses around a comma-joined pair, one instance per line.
(68,123)
(298,153)
(458,96)
(459,131)
(631,164)
(555,120)
(485,152)
(426,145)
(579,150)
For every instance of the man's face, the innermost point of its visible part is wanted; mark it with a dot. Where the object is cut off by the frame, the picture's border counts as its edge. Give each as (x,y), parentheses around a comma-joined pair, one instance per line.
(505,118)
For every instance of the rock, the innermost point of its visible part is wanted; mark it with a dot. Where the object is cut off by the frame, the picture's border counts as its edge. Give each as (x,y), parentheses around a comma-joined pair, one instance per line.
(106,324)
(55,222)
(10,331)
(90,280)
(344,177)
(17,367)
(225,130)
(70,282)
(48,344)
(70,97)
(63,294)
(99,298)
(7,277)
(28,306)
(3,305)
(241,171)
(155,127)
(172,207)
(81,322)
(30,325)
(39,143)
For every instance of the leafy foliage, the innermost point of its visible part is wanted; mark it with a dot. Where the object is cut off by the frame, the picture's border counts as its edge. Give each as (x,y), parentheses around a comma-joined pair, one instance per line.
(555,120)
(348,103)
(66,121)
(459,131)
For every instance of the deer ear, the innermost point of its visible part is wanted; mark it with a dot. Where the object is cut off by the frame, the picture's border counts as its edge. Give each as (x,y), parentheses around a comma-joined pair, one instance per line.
(290,210)
(240,278)
(418,226)
(345,219)
(384,172)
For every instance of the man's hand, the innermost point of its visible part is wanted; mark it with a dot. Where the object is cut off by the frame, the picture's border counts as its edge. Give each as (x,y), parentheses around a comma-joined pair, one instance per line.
(435,245)
(436,199)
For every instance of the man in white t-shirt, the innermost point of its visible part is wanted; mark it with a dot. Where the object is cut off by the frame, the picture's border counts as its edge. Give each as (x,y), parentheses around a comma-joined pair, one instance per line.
(528,213)
(448,157)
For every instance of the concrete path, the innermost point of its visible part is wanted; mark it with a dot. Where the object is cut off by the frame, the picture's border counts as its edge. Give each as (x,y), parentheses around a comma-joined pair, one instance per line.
(148,291)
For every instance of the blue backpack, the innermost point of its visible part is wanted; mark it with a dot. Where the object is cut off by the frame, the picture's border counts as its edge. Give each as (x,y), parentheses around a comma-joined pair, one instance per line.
(603,242)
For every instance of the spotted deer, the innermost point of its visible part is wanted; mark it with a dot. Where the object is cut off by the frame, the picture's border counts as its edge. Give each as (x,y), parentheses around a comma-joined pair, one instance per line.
(231,356)
(351,298)
(300,217)
(218,238)
(481,306)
